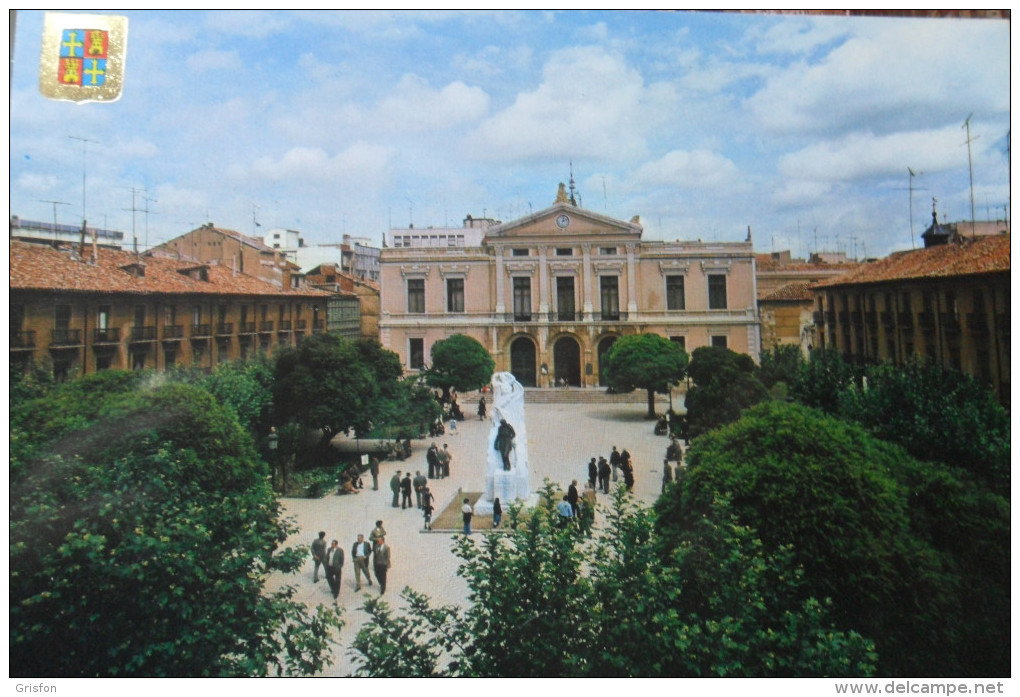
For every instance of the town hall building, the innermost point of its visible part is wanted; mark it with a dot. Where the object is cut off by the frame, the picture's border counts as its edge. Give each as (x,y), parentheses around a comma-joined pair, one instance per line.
(549,293)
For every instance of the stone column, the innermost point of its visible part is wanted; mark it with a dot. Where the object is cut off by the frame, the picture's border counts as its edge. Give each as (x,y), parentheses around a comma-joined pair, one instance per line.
(631,282)
(543,285)
(586,264)
(500,285)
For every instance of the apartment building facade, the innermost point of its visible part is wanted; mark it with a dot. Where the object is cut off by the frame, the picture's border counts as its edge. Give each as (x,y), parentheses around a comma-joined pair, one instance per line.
(80,313)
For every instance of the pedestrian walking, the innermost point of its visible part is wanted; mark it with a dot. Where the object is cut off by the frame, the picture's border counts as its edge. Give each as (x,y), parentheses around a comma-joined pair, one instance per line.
(466,513)
(614,461)
(405,491)
(497,513)
(318,555)
(373,464)
(333,569)
(667,475)
(381,562)
(360,553)
(444,461)
(432,458)
(593,472)
(426,505)
(377,534)
(395,488)
(420,482)
(481,408)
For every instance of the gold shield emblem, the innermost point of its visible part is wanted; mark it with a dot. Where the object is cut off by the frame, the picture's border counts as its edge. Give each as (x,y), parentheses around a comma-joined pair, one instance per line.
(83,57)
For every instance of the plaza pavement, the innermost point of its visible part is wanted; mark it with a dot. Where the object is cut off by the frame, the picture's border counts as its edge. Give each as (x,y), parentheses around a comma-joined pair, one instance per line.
(561,440)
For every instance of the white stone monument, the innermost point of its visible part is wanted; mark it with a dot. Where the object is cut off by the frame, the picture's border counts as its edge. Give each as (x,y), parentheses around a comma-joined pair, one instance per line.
(508,485)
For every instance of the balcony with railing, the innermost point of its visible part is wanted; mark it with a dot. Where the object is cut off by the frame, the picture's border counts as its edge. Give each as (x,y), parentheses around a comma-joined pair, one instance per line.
(142,334)
(611,316)
(225,329)
(566,316)
(300,325)
(109,335)
(284,326)
(65,337)
(926,321)
(265,327)
(977,322)
(201,331)
(246,328)
(173,332)
(318,325)
(950,323)
(888,319)
(22,339)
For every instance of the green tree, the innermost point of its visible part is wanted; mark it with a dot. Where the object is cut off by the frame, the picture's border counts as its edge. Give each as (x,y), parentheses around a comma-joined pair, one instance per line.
(868,524)
(140,545)
(325,384)
(781,364)
(247,388)
(936,415)
(724,385)
(822,379)
(459,362)
(550,601)
(644,361)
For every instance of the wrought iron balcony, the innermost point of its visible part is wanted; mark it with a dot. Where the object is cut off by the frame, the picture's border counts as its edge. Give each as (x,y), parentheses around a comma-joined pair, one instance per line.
(566,316)
(65,337)
(300,324)
(109,335)
(265,327)
(201,330)
(142,334)
(284,326)
(246,328)
(950,323)
(318,325)
(977,322)
(224,329)
(23,339)
(173,332)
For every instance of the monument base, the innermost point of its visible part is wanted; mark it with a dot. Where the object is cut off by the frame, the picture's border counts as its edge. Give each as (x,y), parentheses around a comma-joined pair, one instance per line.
(500,485)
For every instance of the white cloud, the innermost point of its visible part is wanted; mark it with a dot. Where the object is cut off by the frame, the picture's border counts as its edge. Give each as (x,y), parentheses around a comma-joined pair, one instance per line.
(860,155)
(591,104)
(361,162)
(689,170)
(891,75)
(798,35)
(415,106)
(212,59)
(256,24)
(38,183)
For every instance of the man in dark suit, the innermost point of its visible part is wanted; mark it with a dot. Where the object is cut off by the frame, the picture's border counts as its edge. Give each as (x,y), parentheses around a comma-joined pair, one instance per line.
(572,496)
(318,555)
(333,567)
(381,560)
(360,553)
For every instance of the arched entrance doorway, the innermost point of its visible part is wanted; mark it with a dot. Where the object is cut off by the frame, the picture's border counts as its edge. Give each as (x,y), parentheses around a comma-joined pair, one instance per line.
(604,347)
(522,361)
(567,361)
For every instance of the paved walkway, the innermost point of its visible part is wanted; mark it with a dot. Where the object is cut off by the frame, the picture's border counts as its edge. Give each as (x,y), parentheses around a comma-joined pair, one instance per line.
(561,440)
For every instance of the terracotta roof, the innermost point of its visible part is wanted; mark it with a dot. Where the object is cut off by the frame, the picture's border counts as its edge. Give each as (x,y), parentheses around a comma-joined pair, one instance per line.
(765,263)
(796,292)
(41,267)
(968,257)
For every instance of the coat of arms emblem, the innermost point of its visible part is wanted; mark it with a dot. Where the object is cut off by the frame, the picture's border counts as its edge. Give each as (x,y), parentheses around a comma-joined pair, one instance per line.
(83,57)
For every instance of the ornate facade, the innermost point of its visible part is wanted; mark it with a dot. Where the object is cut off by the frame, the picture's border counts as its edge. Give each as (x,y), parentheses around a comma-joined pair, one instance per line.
(548,294)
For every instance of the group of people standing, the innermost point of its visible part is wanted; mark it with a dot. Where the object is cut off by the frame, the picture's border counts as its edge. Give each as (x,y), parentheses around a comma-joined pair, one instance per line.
(332,560)
(599,472)
(438,461)
(423,497)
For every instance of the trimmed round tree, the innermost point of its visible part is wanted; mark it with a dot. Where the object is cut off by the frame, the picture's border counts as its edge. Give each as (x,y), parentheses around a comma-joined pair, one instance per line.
(461,363)
(644,361)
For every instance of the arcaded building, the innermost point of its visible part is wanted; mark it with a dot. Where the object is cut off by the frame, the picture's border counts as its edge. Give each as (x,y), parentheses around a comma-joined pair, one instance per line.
(549,293)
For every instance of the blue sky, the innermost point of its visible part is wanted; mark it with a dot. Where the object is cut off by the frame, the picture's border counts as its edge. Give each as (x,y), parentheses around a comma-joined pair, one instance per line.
(701,123)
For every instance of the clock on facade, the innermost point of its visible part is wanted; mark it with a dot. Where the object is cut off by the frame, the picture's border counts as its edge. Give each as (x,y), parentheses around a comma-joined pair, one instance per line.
(563,220)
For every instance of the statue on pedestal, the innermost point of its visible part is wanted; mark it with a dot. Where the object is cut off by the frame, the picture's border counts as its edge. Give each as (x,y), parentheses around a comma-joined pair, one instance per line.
(506,472)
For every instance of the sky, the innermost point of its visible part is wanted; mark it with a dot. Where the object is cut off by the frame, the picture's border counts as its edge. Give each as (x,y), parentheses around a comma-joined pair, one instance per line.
(703,124)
